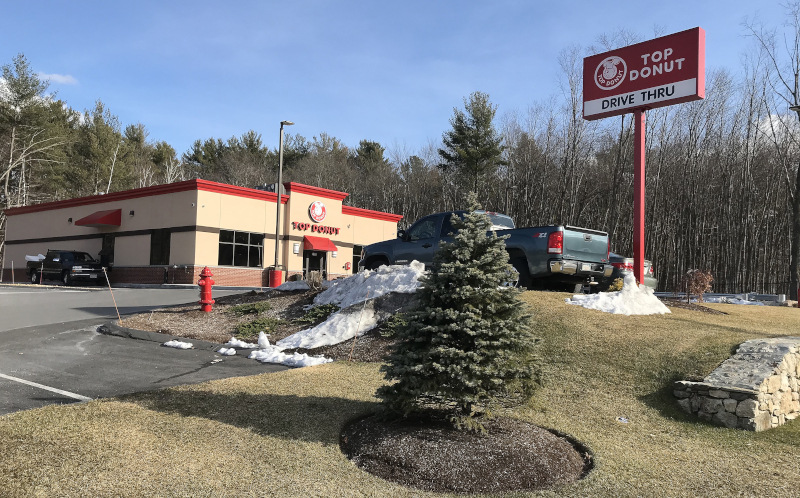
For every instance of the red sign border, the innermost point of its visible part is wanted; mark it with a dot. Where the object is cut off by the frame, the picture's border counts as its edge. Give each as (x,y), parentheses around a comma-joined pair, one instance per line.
(701,77)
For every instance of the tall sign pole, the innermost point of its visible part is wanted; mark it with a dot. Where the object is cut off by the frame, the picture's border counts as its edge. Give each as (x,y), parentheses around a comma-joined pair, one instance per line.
(638,194)
(656,73)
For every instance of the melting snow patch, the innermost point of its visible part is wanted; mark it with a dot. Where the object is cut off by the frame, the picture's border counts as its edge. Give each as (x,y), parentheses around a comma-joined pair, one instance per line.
(337,328)
(178,344)
(227,351)
(293,286)
(729,300)
(275,354)
(236,343)
(352,290)
(631,300)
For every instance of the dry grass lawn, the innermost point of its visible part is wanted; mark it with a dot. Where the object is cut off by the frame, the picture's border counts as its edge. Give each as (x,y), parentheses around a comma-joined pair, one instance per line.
(277,434)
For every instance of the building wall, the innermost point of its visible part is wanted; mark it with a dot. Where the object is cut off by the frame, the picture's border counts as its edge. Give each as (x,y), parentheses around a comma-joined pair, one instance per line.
(199,213)
(134,250)
(206,248)
(181,248)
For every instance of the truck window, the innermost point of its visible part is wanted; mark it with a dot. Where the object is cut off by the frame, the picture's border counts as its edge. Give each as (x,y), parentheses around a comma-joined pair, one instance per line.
(447,226)
(423,229)
(83,257)
(501,220)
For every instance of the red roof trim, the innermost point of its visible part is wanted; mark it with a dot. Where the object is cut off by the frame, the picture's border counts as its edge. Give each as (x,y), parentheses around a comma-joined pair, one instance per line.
(368,213)
(250,193)
(108,218)
(317,191)
(311,243)
(169,188)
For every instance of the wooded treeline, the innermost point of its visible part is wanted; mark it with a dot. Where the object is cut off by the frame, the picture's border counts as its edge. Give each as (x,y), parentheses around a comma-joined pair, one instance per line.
(720,172)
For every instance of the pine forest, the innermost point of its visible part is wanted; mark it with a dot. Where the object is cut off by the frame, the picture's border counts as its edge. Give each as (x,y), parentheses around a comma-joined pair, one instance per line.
(721,173)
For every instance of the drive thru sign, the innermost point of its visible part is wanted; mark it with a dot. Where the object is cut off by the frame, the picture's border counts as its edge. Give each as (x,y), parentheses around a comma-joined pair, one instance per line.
(656,73)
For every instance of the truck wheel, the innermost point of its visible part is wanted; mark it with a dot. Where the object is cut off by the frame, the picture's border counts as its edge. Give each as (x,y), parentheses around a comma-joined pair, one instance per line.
(34,277)
(521,265)
(376,264)
(66,278)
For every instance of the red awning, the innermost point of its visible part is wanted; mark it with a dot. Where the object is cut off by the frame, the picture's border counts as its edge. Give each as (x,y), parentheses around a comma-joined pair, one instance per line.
(110,218)
(318,244)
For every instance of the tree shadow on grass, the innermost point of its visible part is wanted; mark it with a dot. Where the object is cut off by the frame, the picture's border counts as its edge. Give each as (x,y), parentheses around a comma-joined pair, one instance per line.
(303,418)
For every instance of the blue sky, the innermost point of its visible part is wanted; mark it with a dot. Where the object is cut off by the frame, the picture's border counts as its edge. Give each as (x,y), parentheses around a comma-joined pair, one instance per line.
(385,71)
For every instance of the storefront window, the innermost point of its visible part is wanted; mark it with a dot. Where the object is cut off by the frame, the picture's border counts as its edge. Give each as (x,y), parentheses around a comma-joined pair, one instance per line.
(240,249)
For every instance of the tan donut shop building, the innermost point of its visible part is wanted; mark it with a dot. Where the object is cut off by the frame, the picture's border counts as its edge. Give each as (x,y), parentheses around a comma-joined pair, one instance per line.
(169,233)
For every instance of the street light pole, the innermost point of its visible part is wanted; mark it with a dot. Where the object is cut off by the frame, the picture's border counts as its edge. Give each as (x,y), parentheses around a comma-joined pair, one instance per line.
(278,192)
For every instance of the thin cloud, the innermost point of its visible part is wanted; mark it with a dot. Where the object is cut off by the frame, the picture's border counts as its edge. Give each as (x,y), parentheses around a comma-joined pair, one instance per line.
(64,79)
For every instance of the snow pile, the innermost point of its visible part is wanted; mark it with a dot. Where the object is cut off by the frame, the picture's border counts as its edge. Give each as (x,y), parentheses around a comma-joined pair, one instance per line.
(631,300)
(346,323)
(177,344)
(352,290)
(236,343)
(292,286)
(263,342)
(337,328)
(227,351)
(275,354)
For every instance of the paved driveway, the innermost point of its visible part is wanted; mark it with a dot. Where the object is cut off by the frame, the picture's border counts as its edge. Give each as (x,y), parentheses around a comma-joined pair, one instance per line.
(22,306)
(58,361)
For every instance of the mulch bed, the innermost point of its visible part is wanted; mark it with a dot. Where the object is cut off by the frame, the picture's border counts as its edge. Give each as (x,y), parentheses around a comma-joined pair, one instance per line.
(218,325)
(431,455)
(677,303)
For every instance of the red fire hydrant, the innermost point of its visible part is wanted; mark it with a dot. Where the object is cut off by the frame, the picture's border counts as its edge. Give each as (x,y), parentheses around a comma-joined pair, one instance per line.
(205,284)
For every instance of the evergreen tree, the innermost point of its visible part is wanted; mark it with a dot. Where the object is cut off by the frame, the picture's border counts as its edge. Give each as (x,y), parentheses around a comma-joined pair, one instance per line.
(473,148)
(468,346)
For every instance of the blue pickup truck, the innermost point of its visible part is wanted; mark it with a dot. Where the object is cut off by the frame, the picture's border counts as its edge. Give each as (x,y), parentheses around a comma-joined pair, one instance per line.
(547,257)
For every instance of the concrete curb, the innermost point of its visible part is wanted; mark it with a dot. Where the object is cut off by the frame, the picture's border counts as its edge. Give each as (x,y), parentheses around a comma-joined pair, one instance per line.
(117,330)
(184,286)
(64,287)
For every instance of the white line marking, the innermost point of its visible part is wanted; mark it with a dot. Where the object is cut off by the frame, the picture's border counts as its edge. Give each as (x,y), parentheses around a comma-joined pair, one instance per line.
(46,388)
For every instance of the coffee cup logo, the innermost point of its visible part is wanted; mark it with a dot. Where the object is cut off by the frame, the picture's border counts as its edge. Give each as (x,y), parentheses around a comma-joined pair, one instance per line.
(610,73)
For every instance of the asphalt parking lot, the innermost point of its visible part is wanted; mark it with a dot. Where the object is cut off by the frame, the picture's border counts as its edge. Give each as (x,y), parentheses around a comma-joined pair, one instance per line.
(51,352)
(27,306)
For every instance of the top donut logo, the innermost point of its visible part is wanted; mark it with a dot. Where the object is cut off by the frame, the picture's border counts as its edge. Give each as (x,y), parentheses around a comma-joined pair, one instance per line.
(610,73)
(317,211)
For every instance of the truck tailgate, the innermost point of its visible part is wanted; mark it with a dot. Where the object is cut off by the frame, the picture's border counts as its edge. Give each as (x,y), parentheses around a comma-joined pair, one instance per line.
(584,244)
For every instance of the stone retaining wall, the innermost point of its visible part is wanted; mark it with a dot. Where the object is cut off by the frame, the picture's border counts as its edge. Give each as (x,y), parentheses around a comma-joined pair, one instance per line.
(755,389)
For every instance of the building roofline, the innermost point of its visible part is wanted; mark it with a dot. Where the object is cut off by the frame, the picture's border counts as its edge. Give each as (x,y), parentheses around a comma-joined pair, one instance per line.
(169,188)
(368,213)
(206,186)
(317,191)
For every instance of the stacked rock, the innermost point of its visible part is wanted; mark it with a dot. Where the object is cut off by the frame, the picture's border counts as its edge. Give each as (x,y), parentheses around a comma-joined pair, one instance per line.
(755,389)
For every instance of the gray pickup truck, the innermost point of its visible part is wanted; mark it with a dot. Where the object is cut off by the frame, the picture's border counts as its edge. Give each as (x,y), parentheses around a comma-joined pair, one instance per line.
(548,257)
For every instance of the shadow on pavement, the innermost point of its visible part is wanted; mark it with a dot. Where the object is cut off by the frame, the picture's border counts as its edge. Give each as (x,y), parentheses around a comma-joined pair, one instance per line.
(110,311)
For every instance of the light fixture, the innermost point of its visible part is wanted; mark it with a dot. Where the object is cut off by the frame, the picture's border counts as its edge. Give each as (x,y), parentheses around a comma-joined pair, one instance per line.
(296,248)
(131,213)
(69,220)
(334,254)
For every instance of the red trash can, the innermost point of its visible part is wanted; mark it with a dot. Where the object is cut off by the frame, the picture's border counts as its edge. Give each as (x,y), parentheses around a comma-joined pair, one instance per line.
(275,278)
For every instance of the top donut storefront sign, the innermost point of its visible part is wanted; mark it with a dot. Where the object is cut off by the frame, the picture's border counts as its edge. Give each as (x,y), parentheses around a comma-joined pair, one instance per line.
(317,211)
(656,73)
